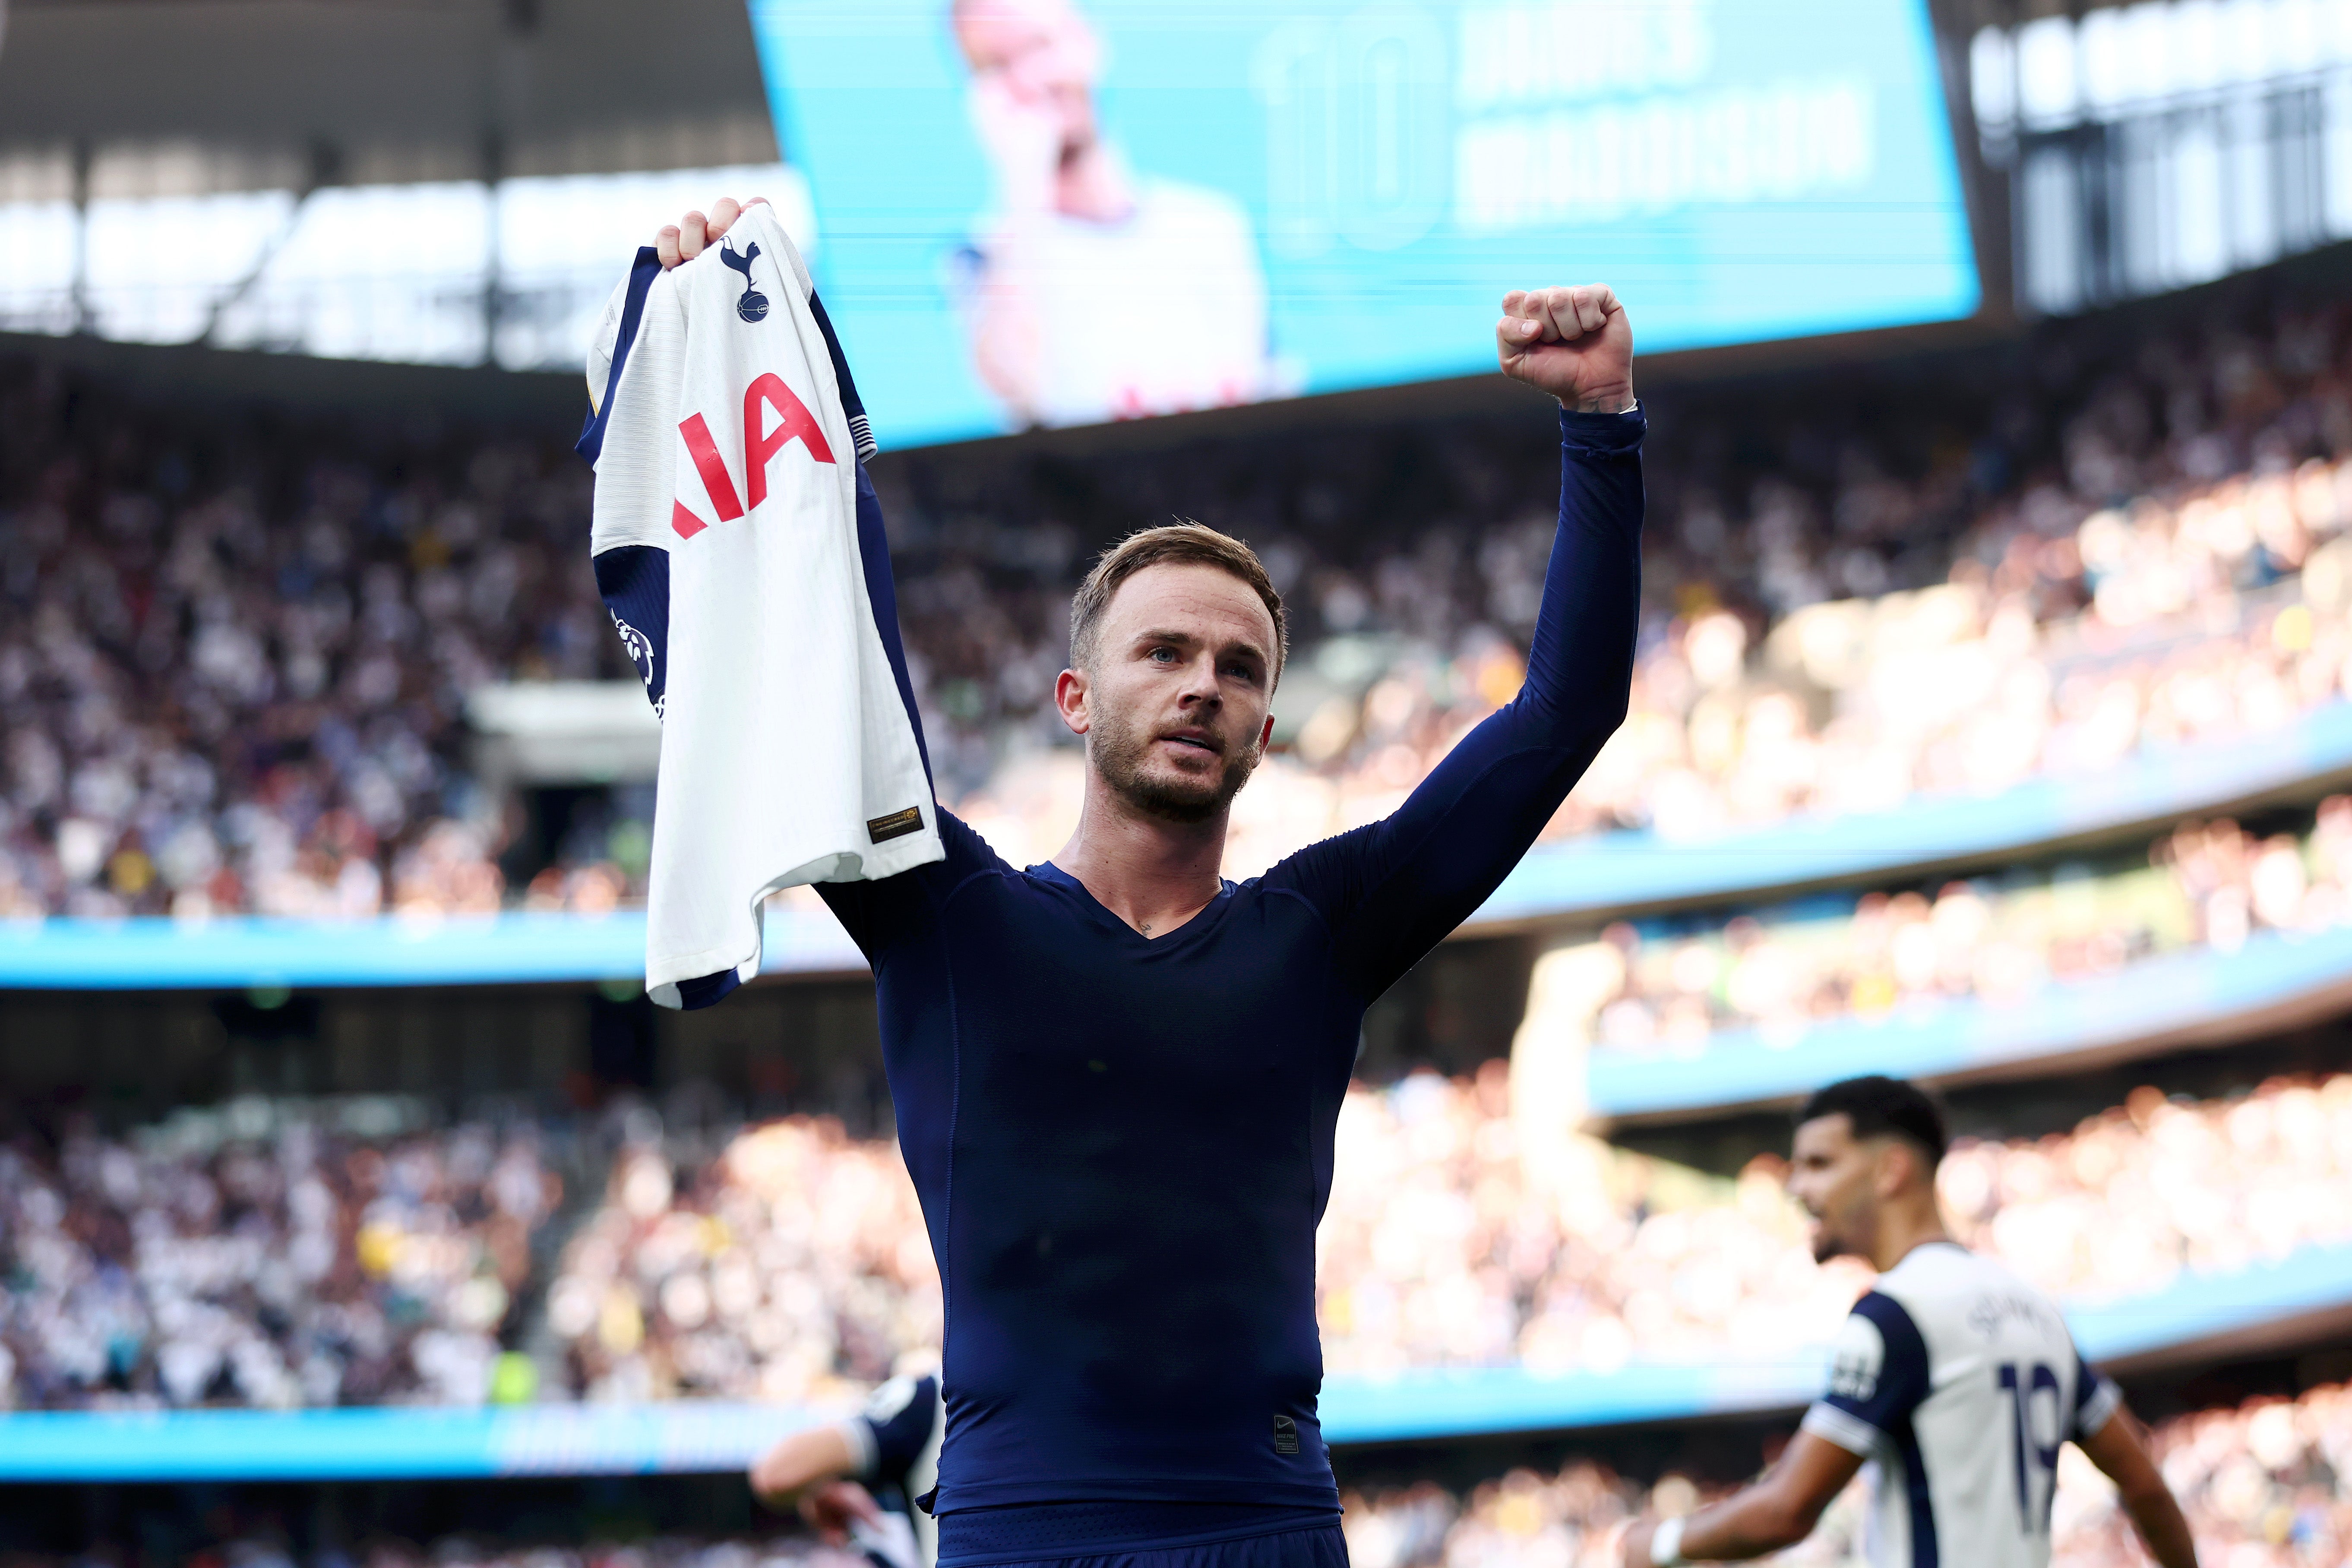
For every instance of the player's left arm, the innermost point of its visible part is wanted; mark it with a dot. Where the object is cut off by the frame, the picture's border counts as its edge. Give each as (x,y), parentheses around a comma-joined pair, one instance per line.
(2119,1447)
(1393,889)
(1775,1512)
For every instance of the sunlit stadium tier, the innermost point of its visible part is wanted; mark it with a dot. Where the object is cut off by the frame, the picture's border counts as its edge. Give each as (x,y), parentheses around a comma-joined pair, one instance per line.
(1277,179)
(272,1255)
(2214,933)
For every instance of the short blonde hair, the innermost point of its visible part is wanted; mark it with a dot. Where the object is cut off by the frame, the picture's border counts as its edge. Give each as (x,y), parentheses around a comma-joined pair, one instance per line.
(1182,543)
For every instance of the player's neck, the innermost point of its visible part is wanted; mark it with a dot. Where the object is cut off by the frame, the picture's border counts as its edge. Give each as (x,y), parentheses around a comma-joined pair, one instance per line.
(1152,873)
(1903,1230)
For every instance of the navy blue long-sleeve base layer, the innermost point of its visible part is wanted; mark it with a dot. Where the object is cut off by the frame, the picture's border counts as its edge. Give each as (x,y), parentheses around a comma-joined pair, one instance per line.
(1123,1143)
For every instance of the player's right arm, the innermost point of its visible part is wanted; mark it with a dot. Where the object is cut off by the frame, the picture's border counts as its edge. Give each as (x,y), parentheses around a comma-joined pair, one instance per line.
(806,1472)
(1775,1512)
(2119,1447)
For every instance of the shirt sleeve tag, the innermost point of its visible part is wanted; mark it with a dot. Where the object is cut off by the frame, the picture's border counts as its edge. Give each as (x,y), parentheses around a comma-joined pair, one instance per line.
(897,824)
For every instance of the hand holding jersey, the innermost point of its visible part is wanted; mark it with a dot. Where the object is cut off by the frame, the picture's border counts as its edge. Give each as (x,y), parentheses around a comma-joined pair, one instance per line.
(729,543)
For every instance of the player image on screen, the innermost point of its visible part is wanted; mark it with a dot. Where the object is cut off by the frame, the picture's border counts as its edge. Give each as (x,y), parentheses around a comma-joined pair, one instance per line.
(1955,1381)
(1118,1076)
(1091,291)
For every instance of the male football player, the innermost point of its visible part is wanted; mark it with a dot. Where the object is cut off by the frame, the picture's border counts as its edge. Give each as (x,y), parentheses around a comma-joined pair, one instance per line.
(1118,1075)
(1955,1380)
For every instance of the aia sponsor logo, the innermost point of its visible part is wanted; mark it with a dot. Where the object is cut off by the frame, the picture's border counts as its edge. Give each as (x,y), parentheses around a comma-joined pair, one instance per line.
(766,394)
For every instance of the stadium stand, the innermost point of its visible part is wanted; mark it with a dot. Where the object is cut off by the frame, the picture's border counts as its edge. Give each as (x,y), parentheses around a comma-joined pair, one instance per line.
(271,1254)
(1999,939)
(243,641)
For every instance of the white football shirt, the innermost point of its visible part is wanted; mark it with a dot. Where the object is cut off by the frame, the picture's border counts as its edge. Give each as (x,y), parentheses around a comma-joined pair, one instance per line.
(732,528)
(1959,1383)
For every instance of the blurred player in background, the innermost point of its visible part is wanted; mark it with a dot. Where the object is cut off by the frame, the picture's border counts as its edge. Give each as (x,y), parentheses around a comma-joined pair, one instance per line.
(1186,327)
(1954,1380)
(855,1482)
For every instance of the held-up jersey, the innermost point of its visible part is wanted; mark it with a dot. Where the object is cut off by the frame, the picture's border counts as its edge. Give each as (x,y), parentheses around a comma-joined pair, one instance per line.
(727,439)
(1959,1383)
(896,1443)
(1123,1143)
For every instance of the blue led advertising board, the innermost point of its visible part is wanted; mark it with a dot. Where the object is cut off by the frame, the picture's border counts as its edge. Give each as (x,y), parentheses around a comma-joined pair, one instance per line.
(1057,212)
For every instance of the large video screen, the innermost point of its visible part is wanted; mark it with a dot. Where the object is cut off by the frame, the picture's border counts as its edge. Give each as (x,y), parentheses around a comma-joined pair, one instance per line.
(1057,212)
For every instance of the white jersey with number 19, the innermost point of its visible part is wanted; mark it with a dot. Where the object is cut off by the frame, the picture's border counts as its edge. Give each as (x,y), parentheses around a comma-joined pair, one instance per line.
(1959,1383)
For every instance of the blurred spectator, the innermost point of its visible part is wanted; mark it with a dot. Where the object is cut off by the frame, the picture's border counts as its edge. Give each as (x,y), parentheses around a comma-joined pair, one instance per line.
(273,1254)
(793,1263)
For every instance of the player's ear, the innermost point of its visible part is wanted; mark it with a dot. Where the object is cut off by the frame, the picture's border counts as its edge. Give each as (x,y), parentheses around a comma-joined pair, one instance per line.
(1887,1168)
(1071,690)
(1265,733)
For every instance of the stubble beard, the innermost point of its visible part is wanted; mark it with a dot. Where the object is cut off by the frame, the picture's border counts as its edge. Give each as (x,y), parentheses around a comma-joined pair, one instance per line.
(1119,755)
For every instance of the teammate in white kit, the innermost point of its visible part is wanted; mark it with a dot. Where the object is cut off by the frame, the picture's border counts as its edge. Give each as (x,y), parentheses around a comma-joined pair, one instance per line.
(1954,1379)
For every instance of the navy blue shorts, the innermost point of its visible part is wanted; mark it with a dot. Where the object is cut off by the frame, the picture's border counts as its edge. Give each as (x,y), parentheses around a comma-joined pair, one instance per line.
(1121,1535)
(1319,1546)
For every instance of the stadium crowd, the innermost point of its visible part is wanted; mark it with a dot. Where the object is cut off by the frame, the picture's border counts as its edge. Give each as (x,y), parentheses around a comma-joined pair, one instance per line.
(797,1261)
(1998,939)
(238,645)
(281,1254)
(793,1265)
(271,1254)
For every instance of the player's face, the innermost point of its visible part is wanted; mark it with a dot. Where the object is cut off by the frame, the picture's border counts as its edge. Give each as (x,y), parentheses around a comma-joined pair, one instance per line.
(1042,52)
(1835,1175)
(1176,710)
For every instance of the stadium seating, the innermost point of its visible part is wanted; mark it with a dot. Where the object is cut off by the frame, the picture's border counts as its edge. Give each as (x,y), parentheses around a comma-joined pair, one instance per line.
(271,1254)
(241,646)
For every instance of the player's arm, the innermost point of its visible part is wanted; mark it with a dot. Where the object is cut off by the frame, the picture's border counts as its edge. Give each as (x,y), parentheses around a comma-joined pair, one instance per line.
(1393,889)
(1878,1377)
(1775,1512)
(806,1472)
(2119,1447)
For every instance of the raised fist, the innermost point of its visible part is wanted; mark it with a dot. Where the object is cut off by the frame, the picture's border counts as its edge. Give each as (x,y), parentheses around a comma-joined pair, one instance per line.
(1575,343)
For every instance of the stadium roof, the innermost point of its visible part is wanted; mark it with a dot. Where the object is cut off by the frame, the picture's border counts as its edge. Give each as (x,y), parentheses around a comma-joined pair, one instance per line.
(219,94)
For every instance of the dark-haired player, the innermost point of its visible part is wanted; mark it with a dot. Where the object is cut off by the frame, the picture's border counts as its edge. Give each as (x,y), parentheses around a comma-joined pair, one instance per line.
(1955,1379)
(1118,1075)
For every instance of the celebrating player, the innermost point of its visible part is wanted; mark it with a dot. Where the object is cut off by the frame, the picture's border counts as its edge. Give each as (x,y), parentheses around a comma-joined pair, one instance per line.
(1118,1076)
(1955,1379)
